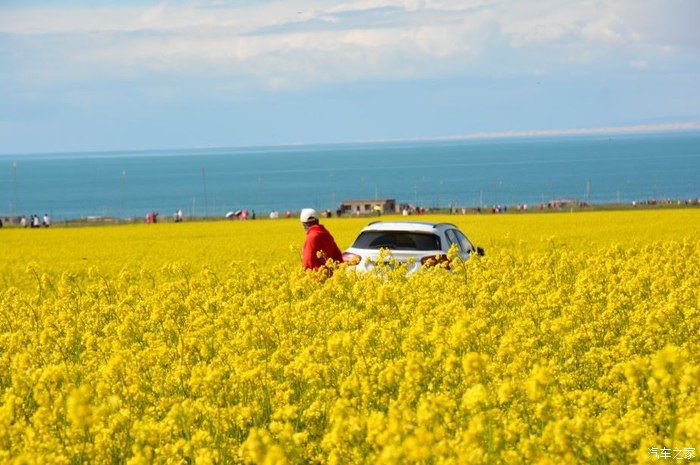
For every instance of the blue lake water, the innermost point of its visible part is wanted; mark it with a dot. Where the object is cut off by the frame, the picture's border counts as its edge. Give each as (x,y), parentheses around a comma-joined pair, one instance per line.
(473,172)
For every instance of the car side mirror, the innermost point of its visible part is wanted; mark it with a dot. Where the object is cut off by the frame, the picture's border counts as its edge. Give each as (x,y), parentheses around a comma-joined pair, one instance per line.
(480,251)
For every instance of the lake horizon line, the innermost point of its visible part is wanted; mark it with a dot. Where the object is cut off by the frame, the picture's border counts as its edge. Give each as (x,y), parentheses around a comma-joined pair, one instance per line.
(681,128)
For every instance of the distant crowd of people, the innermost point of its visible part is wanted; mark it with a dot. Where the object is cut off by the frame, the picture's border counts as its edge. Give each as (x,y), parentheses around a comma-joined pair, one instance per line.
(652,202)
(407,210)
(243,214)
(274,214)
(178,217)
(32,221)
(246,214)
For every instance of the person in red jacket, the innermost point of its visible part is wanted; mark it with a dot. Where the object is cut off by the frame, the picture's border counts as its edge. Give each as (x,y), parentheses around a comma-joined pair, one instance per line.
(318,242)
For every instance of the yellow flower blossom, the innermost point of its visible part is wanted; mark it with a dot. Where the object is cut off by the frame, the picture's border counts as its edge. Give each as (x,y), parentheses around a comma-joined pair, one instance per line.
(543,351)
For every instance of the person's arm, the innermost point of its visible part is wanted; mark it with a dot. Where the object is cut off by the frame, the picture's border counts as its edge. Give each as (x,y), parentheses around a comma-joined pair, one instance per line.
(336,254)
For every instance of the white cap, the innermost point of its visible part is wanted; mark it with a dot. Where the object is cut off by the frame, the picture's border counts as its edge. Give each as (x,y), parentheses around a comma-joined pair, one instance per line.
(308,214)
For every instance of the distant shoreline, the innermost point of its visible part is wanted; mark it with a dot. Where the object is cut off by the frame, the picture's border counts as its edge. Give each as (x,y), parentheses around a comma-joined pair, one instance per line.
(486,211)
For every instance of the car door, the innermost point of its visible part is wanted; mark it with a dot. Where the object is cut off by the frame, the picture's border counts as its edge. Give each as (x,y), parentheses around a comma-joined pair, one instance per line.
(453,238)
(465,243)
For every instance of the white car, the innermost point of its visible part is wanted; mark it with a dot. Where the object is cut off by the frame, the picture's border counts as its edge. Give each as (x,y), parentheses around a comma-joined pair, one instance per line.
(425,243)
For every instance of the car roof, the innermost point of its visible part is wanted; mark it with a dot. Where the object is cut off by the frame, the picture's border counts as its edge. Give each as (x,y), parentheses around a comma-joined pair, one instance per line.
(412,226)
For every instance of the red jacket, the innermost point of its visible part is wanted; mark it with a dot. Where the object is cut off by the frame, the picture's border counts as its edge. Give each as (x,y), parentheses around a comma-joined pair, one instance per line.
(319,239)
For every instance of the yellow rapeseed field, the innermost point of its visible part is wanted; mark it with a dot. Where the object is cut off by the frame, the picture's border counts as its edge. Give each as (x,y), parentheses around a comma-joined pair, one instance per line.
(574,340)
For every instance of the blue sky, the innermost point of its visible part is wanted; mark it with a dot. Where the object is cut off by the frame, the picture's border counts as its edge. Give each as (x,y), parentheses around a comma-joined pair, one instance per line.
(102,75)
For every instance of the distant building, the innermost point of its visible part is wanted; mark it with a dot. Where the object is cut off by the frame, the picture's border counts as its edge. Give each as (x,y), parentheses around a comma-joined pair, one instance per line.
(367,206)
(102,219)
(566,202)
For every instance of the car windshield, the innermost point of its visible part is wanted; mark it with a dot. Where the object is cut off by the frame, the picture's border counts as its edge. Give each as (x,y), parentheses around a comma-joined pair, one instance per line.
(397,240)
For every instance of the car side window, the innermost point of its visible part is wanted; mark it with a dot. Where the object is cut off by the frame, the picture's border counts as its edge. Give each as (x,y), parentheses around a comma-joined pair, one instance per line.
(464,242)
(452,238)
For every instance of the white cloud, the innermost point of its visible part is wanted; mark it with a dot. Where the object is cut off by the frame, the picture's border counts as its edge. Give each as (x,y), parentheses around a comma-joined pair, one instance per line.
(609,30)
(593,131)
(298,42)
(604,130)
(639,64)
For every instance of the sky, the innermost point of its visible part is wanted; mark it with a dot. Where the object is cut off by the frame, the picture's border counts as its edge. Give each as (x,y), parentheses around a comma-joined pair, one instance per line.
(113,75)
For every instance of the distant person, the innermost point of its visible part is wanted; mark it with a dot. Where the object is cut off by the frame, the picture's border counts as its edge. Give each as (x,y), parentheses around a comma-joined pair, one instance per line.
(35,221)
(252,215)
(288,214)
(404,212)
(180,216)
(47,220)
(338,212)
(0,222)
(318,242)
(23,221)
